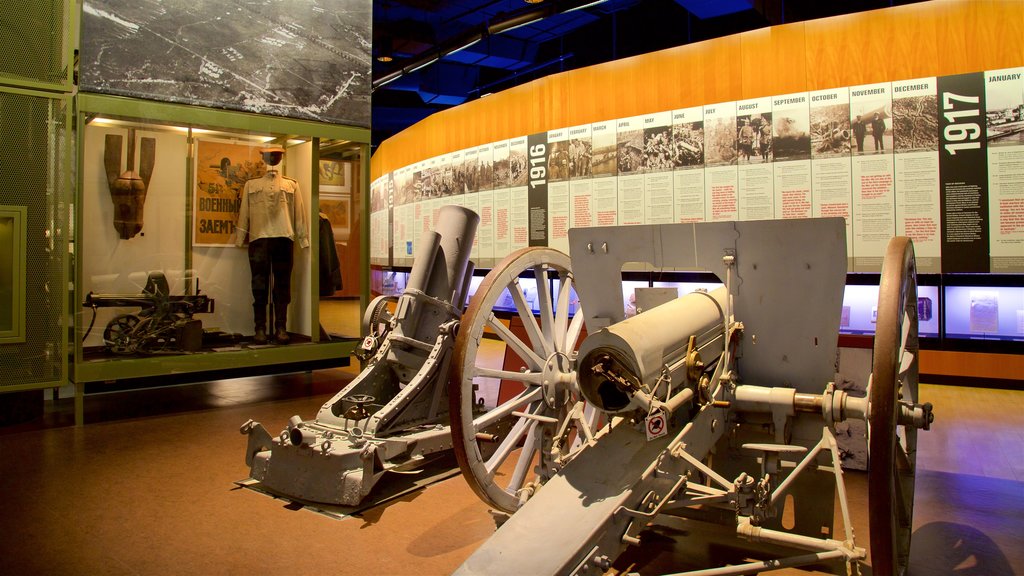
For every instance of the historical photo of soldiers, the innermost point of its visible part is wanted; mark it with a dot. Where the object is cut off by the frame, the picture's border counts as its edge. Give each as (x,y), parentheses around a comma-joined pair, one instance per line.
(791,138)
(915,123)
(720,148)
(754,138)
(830,131)
(558,161)
(580,157)
(657,149)
(455,178)
(605,154)
(444,181)
(468,175)
(688,144)
(870,126)
(1004,113)
(502,176)
(518,172)
(630,151)
(484,173)
(425,184)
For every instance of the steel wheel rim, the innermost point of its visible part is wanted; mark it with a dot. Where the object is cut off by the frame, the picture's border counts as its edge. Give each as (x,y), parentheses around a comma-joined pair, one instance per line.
(894,380)
(119,332)
(555,343)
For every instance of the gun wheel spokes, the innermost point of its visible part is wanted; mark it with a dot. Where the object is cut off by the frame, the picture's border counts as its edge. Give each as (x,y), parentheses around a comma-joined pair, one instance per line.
(513,430)
(119,335)
(894,378)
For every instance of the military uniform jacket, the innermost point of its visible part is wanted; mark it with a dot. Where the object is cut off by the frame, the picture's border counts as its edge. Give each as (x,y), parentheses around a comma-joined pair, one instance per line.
(272,208)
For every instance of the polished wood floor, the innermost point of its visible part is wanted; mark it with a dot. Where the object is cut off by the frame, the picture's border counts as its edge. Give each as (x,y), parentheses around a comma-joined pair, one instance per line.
(147,487)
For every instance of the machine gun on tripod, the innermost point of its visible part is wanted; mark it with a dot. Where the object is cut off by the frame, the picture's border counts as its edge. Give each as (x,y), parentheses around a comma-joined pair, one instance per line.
(164,325)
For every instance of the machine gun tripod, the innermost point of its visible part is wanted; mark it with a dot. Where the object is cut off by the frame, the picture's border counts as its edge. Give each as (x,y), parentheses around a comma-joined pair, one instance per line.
(164,325)
(709,418)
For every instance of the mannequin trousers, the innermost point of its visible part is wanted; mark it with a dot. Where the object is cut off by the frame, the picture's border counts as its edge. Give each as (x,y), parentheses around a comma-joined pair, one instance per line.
(270,261)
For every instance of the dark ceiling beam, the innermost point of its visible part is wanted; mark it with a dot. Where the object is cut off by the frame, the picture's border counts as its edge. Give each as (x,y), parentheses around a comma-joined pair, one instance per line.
(509,22)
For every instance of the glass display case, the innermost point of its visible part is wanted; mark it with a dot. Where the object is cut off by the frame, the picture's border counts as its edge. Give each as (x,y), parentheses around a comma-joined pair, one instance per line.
(989,307)
(196,240)
(387,282)
(955,312)
(860,310)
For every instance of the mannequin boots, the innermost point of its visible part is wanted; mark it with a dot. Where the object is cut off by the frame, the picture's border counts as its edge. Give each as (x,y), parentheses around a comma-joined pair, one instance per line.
(281,323)
(260,318)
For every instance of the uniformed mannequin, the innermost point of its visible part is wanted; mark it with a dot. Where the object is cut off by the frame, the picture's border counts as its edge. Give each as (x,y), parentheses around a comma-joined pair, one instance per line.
(272,215)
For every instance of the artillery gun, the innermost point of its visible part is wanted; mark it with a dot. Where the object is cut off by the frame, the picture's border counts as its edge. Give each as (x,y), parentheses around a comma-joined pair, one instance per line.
(394,414)
(709,418)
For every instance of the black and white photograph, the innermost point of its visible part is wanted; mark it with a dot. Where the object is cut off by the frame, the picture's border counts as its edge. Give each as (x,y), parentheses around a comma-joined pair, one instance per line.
(830,131)
(404,188)
(424,185)
(721,141)
(502,172)
(518,174)
(307,59)
(558,161)
(605,153)
(658,149)
(630,151)
(485,172)
(791,138)
(469,174)
(915,123)
(688,144)
(870,126)
(581,154)
(1004,108)
(754,138)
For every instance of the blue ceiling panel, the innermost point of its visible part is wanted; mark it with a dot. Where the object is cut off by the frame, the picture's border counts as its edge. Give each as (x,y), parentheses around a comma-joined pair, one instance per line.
(704,9)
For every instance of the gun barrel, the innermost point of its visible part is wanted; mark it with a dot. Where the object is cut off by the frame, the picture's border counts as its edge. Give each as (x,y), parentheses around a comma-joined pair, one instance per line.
(623,358)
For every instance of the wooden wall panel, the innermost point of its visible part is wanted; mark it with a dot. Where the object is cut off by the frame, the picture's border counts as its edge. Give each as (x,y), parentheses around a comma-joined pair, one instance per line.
(723,71)
(833,55)
(972,364)
(757,68)
(927,39)
(787,56)
(921,40)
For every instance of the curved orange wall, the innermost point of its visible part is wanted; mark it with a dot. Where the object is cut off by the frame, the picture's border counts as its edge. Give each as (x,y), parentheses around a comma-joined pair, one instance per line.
(934,38)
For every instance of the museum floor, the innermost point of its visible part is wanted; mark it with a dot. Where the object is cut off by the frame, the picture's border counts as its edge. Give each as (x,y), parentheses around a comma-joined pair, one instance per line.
(147,487)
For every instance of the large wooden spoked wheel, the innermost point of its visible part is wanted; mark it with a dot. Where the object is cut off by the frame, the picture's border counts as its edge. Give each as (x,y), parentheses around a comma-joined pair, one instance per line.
(509,444)
(892,447)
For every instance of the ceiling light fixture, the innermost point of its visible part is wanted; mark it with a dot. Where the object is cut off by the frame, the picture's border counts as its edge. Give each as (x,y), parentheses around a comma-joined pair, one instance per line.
(384,51)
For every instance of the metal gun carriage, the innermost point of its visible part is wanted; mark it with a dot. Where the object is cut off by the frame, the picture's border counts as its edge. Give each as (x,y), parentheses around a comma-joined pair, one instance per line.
(710,418)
